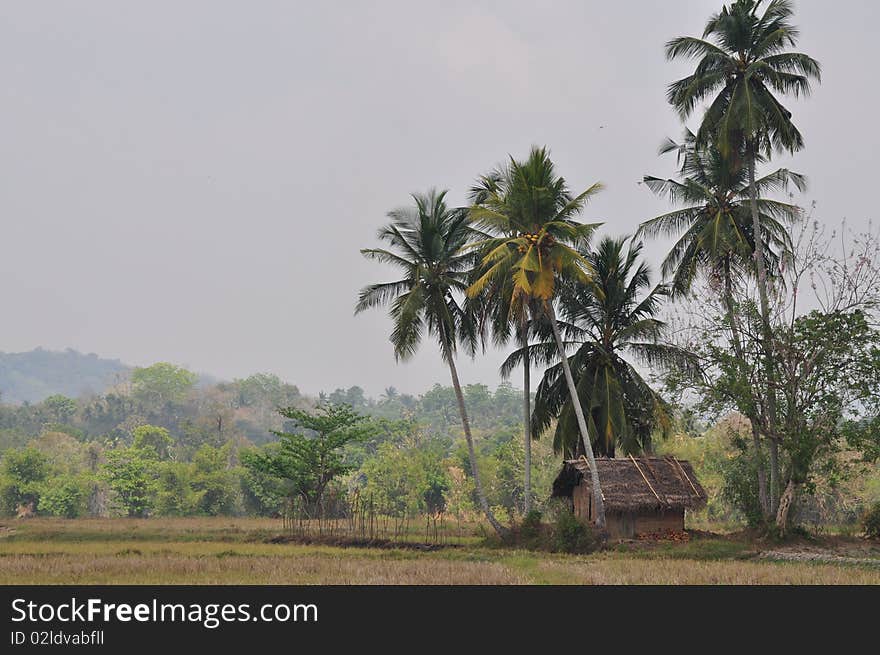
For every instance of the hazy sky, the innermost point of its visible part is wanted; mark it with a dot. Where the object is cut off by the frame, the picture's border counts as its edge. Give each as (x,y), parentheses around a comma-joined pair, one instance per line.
(191,181)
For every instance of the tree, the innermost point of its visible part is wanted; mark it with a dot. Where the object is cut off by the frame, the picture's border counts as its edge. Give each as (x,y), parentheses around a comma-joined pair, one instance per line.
(23,474)
(60,409)
(64,495)
(132,474)
(827,360)
(161,384)
(612,315)
(716,234)
(406,479)
(153,438)
(313,456)
(712,225)
(214,481)
(534,242)
(744,62)
(427,242)
(497,315)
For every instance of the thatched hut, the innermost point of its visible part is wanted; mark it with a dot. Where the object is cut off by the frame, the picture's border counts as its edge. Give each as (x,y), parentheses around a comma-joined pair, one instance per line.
(642,495)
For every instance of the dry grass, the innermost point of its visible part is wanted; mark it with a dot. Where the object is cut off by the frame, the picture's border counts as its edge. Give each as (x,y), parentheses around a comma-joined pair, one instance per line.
(237,551)
(621,570)
(300,569)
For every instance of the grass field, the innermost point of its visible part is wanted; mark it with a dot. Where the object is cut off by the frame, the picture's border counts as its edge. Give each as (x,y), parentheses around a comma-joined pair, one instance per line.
(241,551)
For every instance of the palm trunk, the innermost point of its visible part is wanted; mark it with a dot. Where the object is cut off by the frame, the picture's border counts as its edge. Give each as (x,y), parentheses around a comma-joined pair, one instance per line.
(465,423)
(598,499)
(738,350)
(527,418)
(769,363)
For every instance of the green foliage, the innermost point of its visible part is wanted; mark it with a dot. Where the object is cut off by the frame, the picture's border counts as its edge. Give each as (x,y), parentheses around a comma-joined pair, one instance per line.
(313,456)
(571,535)
(871,521)
(712,224)
(407,479)
(64,496)
(175,495)
(610,318)
(132,475)
(153,438)
(215,481)
(263,492)
(264,390)
(740,489)
(60,409)
(531,525)
(21,478)
(742,66)
(161,383)
(426,242)
(530,215)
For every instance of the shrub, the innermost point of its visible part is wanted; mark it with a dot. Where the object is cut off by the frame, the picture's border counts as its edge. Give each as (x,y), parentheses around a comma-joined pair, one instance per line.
(740,488)
(22,475)
(531,525)
(871,521)
(570,535)
(64,496)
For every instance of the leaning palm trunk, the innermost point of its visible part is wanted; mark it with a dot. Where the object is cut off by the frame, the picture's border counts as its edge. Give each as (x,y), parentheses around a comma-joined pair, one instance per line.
(598,500)
(735,331)
(527,417)
(465,423)
(769,364)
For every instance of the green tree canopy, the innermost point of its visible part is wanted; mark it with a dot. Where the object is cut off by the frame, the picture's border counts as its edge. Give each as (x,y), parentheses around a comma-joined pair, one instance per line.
(162,383)
(312,455)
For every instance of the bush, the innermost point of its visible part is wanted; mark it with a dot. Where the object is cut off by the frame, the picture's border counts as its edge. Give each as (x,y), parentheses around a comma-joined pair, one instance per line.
(740,488)
(871,521)
(570,535)
(64,496)
(531,525)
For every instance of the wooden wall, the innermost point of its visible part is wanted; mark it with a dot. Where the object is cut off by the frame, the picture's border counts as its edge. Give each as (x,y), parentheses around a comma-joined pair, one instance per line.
(627,525)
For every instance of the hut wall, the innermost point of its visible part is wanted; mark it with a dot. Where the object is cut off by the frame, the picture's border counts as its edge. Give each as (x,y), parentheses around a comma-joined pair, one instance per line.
(670,519)
(582,498)
(626,525)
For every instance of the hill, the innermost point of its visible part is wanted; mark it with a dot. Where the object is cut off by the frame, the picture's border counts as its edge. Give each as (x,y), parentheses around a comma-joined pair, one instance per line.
(35,375)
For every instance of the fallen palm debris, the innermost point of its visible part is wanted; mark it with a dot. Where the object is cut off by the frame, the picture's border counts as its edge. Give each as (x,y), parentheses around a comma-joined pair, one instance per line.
(665,535)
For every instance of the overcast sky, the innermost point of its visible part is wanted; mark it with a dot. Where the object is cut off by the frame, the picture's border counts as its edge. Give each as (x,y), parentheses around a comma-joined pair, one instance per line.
(191,181)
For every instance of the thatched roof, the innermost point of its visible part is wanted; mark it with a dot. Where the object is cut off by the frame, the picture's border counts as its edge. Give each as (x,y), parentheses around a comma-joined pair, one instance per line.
(633,484)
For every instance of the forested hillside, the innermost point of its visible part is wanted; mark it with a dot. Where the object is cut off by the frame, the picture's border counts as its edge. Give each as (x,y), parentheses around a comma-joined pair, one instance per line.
(35,375)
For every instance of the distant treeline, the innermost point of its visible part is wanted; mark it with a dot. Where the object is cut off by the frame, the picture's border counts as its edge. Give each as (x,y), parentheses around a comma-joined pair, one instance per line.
(158,443)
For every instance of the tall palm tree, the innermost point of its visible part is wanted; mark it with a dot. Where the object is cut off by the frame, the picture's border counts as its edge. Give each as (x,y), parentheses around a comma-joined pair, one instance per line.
(534,244)
(715,233)
(744,63)
(427,243)
(712,223)
(500,317)
(606,320)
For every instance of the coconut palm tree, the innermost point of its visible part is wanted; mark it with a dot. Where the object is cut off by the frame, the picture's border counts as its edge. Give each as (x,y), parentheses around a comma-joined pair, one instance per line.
(534,244)
(503,322)
(715,232)
(607,319)
(743,63)
(427,243)
(712,223)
